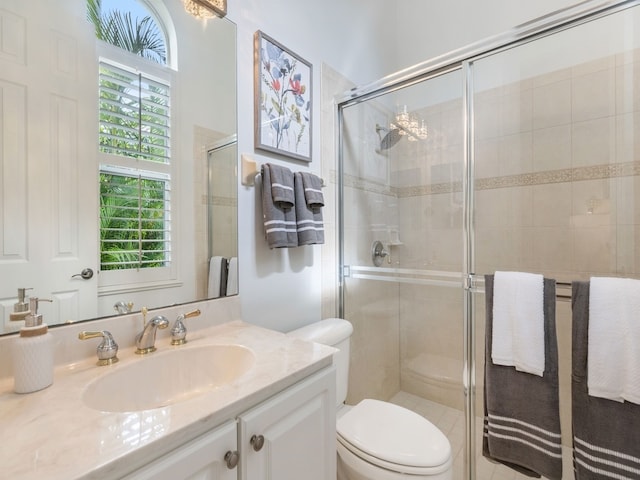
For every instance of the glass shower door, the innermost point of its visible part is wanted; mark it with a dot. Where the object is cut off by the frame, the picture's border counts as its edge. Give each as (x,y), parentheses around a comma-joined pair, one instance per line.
(555,183)
(402,250)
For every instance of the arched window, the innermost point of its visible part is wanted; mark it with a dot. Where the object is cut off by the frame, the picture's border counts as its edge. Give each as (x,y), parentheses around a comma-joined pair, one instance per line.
(134,142)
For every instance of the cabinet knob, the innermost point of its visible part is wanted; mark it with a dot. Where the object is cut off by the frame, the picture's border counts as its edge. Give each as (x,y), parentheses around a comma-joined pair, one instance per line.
(257,442)
(232,459)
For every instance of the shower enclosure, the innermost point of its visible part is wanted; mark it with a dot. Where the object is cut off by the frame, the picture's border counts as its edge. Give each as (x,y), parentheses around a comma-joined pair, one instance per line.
(528,164)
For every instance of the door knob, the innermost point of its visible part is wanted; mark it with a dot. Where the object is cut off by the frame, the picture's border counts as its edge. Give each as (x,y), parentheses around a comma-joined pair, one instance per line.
(86,274)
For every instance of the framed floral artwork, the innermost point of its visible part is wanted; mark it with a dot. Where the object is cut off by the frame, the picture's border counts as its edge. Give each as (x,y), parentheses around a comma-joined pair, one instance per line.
(283,94)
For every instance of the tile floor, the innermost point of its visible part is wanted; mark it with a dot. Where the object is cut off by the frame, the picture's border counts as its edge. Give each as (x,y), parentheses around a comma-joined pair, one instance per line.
(451,422)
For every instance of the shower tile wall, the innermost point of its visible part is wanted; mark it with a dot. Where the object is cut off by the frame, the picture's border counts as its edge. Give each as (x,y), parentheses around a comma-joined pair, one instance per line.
(428,182)
(332,84)
(371,306)
(556,192)
(557,184)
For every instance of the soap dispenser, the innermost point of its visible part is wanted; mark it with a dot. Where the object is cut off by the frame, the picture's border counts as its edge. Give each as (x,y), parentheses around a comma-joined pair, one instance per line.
(33,352)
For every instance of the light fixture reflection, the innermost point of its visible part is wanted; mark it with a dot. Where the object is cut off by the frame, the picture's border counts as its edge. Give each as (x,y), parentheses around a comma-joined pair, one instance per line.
(410,125)
(206,8)
(197,10)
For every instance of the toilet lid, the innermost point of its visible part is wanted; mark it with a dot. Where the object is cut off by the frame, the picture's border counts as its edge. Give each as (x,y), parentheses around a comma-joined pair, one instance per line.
(394,434)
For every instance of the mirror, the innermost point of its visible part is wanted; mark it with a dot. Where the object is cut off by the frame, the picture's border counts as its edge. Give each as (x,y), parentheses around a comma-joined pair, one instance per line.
(222,220)
(55,167)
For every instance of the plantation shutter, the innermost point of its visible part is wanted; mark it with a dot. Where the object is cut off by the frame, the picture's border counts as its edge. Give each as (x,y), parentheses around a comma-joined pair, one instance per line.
(135,219)
(135,203)
(134,114)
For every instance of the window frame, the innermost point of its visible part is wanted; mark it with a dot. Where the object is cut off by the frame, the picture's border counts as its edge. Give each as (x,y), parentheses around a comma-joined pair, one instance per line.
(128,280)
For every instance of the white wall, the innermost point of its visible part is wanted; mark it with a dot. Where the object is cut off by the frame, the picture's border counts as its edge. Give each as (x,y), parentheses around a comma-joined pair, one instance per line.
(280,288)
(426,29)
(364,40)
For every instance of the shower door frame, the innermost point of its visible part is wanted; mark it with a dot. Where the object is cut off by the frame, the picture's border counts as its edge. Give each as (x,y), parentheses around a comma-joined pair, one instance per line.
(462,59)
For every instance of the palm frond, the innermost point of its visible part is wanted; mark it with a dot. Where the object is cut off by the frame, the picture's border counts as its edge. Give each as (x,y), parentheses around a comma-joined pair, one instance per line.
(141,37)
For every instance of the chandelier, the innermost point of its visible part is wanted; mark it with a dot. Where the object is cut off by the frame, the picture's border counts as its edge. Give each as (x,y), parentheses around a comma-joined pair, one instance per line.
(206,8)
(410,125)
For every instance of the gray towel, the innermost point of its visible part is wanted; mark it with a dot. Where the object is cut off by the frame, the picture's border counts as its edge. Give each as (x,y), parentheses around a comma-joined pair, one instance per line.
(522,411)
(606,433)
(279,219)
(281,185)
(308,218)
(312,189)
(224,272)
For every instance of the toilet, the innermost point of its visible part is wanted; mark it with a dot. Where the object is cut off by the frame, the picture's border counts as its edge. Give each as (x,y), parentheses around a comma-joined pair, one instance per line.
(378,440)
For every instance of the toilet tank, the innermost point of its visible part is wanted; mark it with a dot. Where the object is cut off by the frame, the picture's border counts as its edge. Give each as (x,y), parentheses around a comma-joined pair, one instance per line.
(334,332)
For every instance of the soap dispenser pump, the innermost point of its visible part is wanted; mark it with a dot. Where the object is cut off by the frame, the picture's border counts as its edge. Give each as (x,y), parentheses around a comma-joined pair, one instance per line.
(21,307)
(33,352)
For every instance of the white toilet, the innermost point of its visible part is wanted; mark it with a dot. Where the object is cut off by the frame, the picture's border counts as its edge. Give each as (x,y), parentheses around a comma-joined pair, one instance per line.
(378,440)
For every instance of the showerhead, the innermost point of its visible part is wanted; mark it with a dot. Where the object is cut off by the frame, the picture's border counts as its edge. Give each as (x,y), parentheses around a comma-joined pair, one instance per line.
(392,137)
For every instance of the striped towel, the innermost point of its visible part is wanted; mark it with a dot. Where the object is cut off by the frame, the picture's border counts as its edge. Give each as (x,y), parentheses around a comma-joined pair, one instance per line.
(312,189)
(606,433)
(281,185)
(522,411)
(278,210)
(310,226)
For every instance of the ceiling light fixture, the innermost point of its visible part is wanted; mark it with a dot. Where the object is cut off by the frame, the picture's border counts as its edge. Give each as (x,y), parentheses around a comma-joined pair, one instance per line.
(206,8)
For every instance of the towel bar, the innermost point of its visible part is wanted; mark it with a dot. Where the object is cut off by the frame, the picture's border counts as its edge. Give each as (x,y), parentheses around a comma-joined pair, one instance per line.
(564,296)
(251,172)
(257,178)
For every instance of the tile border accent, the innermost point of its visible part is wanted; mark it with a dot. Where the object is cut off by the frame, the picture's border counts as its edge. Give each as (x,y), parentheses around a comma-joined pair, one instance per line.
(567,175)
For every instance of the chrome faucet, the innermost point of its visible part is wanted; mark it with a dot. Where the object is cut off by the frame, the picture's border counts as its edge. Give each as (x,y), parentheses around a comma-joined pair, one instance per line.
(145,340)
(179,331)
(107,349)
(123,308)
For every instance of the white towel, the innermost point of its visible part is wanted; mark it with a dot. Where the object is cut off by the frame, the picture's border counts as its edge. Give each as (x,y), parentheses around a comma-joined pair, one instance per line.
(518,321)
(613,363)
(215,269)
(232,277)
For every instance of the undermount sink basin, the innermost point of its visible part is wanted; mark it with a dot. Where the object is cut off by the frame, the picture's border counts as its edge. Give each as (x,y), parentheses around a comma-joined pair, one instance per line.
(166,378)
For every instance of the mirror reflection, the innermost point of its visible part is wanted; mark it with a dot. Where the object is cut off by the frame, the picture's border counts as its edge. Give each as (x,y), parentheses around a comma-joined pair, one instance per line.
(222,220)
(118,120)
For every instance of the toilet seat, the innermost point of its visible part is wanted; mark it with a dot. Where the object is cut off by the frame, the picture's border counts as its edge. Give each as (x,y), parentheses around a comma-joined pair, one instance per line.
(394,438)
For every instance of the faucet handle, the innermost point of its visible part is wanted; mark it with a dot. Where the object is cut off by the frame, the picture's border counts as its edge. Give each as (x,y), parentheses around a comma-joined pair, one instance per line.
(107,349)
(179,331)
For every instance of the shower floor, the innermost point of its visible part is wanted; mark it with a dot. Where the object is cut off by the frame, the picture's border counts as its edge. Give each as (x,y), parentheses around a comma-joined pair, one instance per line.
(451,422)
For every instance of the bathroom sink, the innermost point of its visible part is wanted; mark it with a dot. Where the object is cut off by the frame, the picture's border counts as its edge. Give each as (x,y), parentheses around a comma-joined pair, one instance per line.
(167,378)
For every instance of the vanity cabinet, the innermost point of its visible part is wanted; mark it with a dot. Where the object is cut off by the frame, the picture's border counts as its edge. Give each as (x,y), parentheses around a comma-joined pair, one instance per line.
(289,436)
(205,458)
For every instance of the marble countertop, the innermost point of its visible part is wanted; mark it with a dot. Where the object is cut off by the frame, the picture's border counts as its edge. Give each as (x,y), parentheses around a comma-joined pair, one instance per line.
(51,433)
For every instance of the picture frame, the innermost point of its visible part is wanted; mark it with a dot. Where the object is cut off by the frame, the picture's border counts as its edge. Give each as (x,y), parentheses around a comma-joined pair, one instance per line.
(283,99)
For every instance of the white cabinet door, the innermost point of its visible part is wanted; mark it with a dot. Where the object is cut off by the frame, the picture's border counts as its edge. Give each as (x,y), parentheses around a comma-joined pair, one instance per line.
(200,459)
(292,435)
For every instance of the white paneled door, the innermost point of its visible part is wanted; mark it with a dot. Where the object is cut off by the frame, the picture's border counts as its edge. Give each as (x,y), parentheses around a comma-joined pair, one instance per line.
(48,174)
